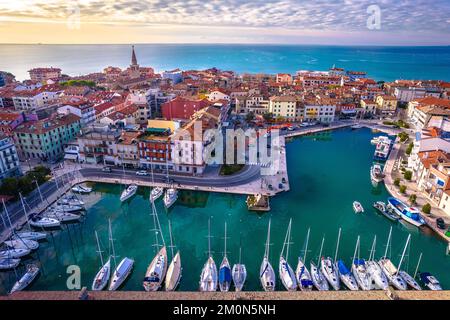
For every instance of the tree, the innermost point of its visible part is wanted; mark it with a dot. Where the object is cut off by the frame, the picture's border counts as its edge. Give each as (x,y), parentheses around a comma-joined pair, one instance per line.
(426,208)
(403,189)
(250,116)
(409,148)
(408,175)
(397,182)
(413,199)
(268,116)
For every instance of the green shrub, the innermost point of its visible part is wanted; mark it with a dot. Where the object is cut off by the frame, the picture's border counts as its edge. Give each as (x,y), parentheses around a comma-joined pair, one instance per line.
(397,182)
(408,175)
(403,189)
(426,208)
(409,148)
(413,199)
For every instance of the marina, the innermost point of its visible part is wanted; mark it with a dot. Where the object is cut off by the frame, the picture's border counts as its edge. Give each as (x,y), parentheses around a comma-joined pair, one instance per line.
(131,223)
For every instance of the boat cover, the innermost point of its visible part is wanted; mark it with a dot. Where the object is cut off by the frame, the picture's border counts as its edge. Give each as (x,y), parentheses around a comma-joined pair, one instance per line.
(306,282)
(224,275)
(343,268)
(359,262)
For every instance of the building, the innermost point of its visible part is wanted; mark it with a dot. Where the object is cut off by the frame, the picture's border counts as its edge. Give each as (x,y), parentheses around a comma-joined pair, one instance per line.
(284,78)
(319,113)
(2,80)
(386,104)
(81,108)
(9,159)
(255,103)
(284,106)
(9,120)
(407,94)
(182,108)
(127,149)
(420,111)
(219,94)
(98,144)
(46,139)
(44,74)
(175,76)
(368,106)
(155,99)
(155,149)
(36,99)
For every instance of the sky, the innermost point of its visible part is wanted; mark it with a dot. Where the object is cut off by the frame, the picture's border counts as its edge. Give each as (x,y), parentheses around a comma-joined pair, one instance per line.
(337,22)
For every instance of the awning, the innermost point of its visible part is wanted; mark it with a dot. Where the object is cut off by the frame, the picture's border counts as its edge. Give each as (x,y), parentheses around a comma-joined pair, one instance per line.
(70,156)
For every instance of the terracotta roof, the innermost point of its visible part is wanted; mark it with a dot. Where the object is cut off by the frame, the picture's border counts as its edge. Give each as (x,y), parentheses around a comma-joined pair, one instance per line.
(48,124)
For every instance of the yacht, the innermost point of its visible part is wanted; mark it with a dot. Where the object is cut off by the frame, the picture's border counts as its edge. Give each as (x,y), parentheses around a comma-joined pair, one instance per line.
(330,272)
(22,244)
(430,281)
(361,275)
(304,279)
(102,277)
(70,200)
(29,235)
(346,276)
(287,275)
(383,147)
(61,216)
(376,174)
(170,197)
(409,214)
(239,274)
(128,192)
(173,274)
(409,280)
(379,280)
(318,279)
(208,277)
(357,207)
(67,208)
(391,273)
(122,272)
(14,253)
(44,222)
(225,269)
(27,278)
(156,271)
(8,263)
(156,193)
(81,189)
(266,273)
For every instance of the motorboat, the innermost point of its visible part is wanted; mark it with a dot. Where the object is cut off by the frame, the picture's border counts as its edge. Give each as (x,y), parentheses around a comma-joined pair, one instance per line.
(357,207)
(287,275)
(385,211)
(70,200)
(409,214)
(128,192)
(346,276)
(170,197)
(9,263)
(156,271)
(26,279)
(266,272)
(22,244)
(361,275)
(383,147)
(376,174)
(81,189)
(102,277)
(379,280)
(225,269)
(391,273)
(208,277)
(67,208)
(121,273)
(318,279)
(330,272)
(356,126)
(430,281)
(29,235)
(173,274)
(14,253)
(409,280)
(156,193)
(44,222)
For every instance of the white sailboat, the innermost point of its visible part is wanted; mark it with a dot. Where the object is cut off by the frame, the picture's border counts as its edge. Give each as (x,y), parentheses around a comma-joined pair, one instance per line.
(44,222)
(403,274)
(225,269)
(170,197)
(266,273)
(239,273)
(61,216)
(389,270)
(70,200)
(329,269)
(14,253)
(156,192)
(157,269)
(81,189)
(25,235)
(173,274)
(359,270)
(318,278)
(287,275)
(208,277)
(129,192)
(8,263)
(26,279)
(302,274)
(122,270)
(343,272)
(67,208)
(379,280)
(102,277)
(22,244)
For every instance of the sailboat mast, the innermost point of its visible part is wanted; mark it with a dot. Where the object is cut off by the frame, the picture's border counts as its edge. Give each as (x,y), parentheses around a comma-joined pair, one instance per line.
(209,237)
(112,242)
(170,235)
(372,249)
(99,250)
(403,254)
(266,253)
(418,263)
(354,254)
(24,210)
(320,252)
(288,239)
(39,190)
(225,239)
(159,225)
(337,245)
(154,225)
(388,243)
(306,247)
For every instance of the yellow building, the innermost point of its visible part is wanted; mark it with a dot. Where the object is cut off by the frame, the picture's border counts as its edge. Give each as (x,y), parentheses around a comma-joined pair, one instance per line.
(386,104)
(163,124)
(284,106)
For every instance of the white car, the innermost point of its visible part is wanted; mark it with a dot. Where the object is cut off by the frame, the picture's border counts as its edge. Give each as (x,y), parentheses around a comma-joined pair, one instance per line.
(142,173)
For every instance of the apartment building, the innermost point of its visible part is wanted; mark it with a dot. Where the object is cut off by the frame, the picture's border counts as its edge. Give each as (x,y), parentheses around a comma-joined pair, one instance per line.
(9,159)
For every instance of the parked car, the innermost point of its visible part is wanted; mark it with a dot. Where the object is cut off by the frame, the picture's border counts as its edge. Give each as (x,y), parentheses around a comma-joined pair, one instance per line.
(142,173)
(106,169)
(440,223)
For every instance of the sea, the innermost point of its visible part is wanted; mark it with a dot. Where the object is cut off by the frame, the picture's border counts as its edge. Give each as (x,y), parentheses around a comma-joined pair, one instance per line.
(327,172)
(381,63)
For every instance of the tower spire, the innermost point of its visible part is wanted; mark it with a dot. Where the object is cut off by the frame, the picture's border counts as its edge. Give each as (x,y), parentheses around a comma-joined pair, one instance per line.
(133,57)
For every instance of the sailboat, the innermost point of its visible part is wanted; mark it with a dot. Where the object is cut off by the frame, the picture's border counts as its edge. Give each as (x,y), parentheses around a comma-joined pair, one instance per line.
(266,273)
(70,200)
(23,235)
(389,270)
(329,269)
(9,263)
(102,277)
(39,222)
(343,272)
(318,279)
(405,276)
(156,192)
(171,195)
(173,274)
(239,273)
(225,270)
(378,279)
(122,270)
(208,277)
(302,274)
(81,189)
(359,270)
(287,275)
(128,192)
(26,279)
(14,253)
(156,270)
(22,244)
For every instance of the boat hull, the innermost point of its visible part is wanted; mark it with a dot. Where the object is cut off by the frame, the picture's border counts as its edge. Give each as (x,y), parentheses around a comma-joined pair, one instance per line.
(121,273)
(239,273)
(287,275)
(26,279)
(330,273)
(267,276)
(318,279)
(102,277)
(303,276)
(173,275)
(156,271)
(208,277)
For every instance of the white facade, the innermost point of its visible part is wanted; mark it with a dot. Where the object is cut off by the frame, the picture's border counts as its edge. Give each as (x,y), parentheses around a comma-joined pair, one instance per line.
(218,95)
(407,94)
(319,113)
(9,159)
(86,113)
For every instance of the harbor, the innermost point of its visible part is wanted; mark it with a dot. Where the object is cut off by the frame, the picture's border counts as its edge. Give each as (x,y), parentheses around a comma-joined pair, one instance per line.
(330,171)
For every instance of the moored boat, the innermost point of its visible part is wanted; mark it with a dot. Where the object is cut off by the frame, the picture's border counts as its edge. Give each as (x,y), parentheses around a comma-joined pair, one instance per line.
(379,280)
(320,282)
(302,274)
(29,235)
(61,216)
(156,271)
(430,281)
(44,222)
(8,263)
(14,253)
(208,277)
(156,193)
(346,276)
(22,244)
(170,197)
(67,208)
(26,279)
(173,274)
(391,273)
(409,280)
(409,214)
(330,272)
(102,277)
(357,207)
(266,272)
(81,189)
(129,192)
(383,147)
(287,275)
(382,208)
(121,273)
(376,174)
(225,270)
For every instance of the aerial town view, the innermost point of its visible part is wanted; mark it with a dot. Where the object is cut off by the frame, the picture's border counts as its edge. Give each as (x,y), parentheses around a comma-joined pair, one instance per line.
(249,160)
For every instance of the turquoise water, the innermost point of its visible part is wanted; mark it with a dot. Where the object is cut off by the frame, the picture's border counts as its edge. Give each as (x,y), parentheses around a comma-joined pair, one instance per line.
(381,63)
(327,172)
